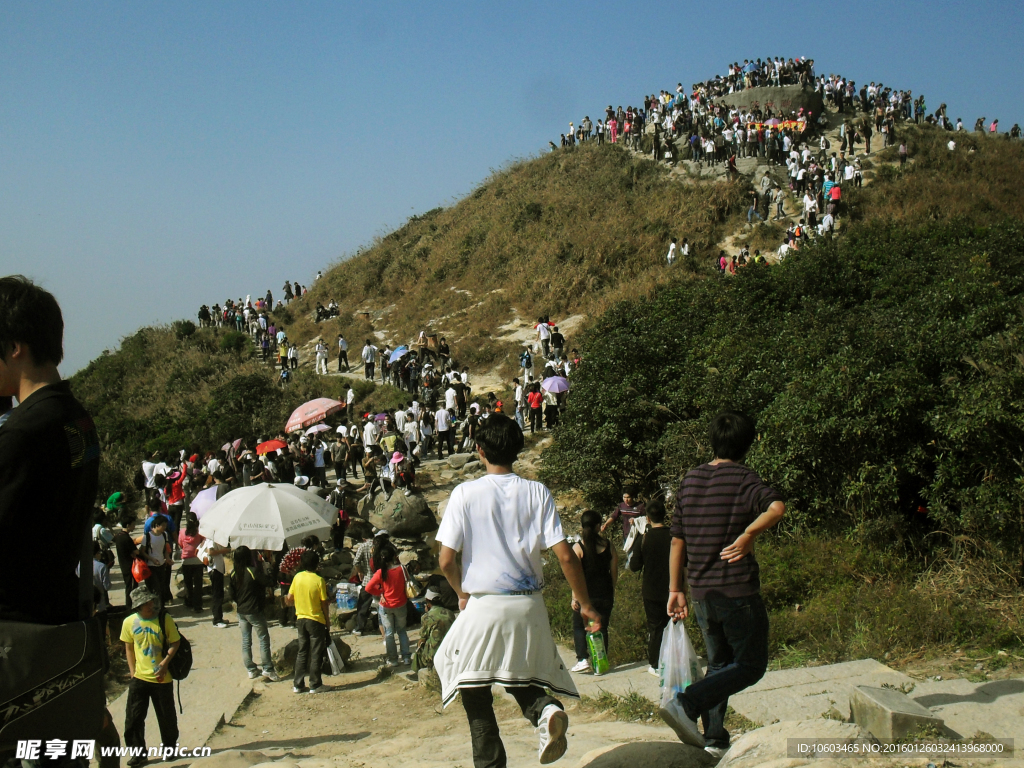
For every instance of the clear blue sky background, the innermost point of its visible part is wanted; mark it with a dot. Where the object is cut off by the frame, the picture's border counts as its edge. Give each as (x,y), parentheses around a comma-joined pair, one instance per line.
(156,156)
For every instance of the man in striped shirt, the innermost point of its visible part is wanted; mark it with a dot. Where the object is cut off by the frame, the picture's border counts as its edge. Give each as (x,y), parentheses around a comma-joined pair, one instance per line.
(721,507)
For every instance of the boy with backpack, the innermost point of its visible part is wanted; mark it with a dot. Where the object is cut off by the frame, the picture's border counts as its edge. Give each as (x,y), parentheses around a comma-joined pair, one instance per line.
(151,641)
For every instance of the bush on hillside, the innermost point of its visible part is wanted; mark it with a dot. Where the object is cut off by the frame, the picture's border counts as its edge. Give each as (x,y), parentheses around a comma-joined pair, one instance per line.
(233,341)
(183,328)
(884,372)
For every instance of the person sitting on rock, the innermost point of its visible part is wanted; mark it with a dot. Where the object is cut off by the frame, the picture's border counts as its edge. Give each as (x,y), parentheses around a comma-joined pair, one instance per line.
(433,627)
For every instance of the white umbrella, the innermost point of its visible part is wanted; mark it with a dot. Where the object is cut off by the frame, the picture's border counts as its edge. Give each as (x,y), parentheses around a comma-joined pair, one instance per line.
(265,516)
(317,428)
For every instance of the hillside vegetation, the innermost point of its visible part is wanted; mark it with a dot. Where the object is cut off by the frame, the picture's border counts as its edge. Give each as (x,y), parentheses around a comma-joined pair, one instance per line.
(564,233)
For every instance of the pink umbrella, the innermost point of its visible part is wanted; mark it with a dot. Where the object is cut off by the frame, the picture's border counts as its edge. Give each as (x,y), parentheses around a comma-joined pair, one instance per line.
(310,413)
(317,428)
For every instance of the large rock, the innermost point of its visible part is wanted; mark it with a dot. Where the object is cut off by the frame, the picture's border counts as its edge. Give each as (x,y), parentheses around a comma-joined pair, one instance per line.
(403,516)
(786,100)
(284,658)
(890,715)
(770,745)
(459,460)
(664,754)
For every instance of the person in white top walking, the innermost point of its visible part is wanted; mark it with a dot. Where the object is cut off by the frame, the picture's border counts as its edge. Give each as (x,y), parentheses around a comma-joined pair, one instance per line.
(321,357)
(501,523)
(443,427)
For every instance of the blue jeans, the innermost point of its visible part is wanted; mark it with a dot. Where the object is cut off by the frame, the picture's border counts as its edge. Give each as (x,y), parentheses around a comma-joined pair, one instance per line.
(247,622)
(393,620)
(736,635)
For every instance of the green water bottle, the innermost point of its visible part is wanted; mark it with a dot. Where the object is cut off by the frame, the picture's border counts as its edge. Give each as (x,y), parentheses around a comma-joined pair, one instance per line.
(598,653)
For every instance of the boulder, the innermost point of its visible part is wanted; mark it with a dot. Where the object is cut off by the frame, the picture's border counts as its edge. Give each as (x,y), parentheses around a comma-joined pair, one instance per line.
(409,556)
(459,460)
(359,530)
(472,466)
(341,559)
(402,515)
(787,99)
(363,508)
(770,745)
(284,658)
(441,506)
(664,754)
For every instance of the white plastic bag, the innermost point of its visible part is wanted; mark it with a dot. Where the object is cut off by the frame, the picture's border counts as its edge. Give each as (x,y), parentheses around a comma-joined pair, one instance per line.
(679,665)
(337,665)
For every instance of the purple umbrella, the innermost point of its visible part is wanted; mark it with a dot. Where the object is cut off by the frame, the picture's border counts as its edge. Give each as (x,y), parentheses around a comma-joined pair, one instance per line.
(380,417)
(555,384)
(204,500)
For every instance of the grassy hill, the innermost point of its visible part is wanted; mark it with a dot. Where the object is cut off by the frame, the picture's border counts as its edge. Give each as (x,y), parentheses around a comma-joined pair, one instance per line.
(575,231)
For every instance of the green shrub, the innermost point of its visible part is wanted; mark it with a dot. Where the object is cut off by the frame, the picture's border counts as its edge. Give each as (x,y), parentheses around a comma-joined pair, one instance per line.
(884,372)
(233,341)
(183,329)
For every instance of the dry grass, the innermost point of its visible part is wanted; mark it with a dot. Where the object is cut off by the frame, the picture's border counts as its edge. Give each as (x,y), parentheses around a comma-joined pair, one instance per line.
(564,233)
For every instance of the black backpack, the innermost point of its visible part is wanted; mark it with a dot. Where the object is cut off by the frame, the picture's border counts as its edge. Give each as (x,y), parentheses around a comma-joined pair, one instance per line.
(181,661)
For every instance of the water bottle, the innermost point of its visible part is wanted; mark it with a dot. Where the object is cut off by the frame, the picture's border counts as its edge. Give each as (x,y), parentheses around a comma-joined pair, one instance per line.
(340,593)
(598,653)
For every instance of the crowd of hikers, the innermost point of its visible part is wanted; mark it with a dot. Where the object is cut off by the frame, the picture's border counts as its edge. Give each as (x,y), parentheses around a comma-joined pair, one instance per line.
(694,124)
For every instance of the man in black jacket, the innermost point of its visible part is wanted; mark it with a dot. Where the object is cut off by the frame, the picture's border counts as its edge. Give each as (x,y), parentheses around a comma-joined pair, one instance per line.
(49,462)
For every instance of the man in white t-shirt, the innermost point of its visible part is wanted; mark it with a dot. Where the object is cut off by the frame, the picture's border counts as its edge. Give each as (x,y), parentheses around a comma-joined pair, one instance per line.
(369,356)
(369,433)
(501,523)
(443,426)
(544,334)
(450,398)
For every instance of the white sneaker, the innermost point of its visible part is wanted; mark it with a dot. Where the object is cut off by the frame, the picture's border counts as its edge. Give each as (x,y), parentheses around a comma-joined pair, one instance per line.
(253,674)
(221,625)
(551,729)
(653,671)
(271,675)
(715,752)
(685,728)
(581,666)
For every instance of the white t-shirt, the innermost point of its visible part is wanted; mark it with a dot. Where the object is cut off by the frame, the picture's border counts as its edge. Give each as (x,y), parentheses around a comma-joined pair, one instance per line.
(544,331)
(350,397)
(369,434)
(671,251)
(400,419)
(148,468)
(501,523)
(449,398)
(442,420)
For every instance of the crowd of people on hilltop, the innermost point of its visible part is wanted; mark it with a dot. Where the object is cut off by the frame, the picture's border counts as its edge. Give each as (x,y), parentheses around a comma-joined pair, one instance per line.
(816,171)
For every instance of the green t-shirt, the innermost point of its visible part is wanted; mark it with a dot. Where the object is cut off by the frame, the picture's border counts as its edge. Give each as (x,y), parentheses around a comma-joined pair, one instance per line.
(149,642)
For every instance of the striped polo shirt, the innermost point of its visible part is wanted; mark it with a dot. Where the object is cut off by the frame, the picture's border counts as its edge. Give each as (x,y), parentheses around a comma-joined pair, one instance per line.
(714,505)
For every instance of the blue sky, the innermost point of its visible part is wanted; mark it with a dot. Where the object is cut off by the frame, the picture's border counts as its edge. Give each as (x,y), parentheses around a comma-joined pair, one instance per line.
(157,156)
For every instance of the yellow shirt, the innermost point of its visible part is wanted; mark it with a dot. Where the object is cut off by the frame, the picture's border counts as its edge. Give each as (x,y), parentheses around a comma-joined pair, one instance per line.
(149,644)
(309,590)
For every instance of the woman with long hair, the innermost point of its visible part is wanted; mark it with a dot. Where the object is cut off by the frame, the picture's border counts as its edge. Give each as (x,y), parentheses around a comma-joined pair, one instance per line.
(601,570)
(388,583)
